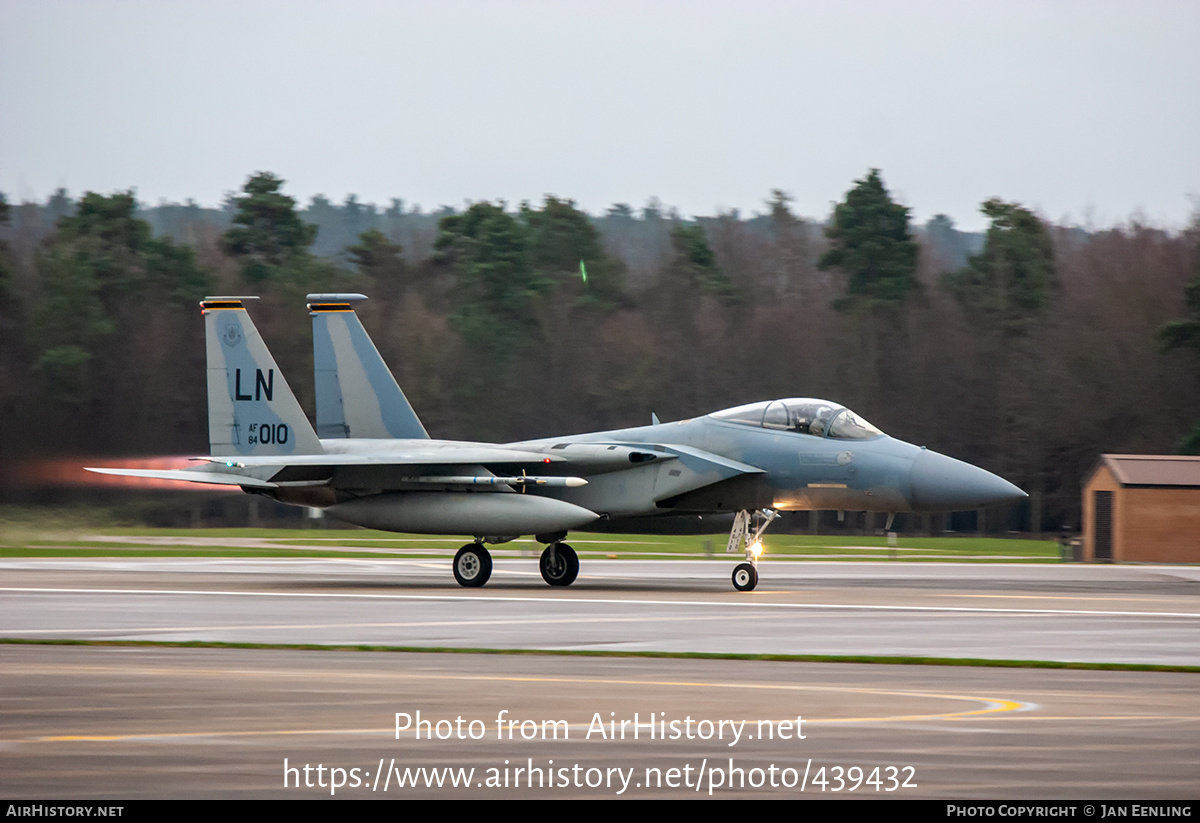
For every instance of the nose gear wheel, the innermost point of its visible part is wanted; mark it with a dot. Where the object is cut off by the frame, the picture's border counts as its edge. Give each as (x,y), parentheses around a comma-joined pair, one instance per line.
(745,577)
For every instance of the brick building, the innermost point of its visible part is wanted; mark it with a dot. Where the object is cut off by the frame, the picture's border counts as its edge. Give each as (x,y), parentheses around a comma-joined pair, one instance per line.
(1142,507)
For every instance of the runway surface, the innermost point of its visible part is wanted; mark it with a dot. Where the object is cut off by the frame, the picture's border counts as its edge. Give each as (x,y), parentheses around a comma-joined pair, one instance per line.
(126,722)
(1119,614)
(121,723)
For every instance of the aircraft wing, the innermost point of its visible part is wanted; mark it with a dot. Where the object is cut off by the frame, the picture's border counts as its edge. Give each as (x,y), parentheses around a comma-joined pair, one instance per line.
(627,478)
(730,467)
(453,464)
(699,475)
(601,456)
(441,464)
(418,456)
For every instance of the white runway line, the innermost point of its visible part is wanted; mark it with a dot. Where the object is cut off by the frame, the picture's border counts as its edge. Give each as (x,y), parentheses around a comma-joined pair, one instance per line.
(742,604)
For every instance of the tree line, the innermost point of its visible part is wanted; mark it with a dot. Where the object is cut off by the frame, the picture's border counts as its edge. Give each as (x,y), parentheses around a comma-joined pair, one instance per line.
(1030,349)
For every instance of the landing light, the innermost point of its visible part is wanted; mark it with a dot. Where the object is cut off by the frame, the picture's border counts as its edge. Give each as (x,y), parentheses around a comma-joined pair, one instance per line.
(756,548)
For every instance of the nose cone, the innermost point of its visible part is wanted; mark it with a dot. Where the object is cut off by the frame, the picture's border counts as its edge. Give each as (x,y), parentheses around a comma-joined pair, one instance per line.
(943,484)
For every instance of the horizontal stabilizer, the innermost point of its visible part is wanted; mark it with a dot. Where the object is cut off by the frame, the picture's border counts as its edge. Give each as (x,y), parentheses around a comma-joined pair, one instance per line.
(191,476)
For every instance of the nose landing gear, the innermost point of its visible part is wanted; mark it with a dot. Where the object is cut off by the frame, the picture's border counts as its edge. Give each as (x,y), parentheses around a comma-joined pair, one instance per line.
(745,575)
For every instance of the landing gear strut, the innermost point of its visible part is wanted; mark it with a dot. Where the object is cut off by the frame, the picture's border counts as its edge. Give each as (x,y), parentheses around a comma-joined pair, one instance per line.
(560,564)
(472,565)
(745,575)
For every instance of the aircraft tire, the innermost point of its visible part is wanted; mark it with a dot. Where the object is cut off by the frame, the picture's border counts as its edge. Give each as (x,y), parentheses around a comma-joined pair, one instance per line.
(472,565)
(745,577)
(563,569)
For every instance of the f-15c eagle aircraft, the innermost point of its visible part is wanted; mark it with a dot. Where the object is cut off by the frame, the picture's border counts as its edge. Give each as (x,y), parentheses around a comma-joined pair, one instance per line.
(370,462)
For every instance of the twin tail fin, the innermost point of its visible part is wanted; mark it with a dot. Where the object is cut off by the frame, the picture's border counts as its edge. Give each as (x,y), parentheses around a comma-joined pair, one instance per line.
(251,408)
(357,396)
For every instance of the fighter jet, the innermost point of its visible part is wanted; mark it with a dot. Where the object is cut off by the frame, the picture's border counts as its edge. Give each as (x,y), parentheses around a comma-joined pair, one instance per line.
(370,461)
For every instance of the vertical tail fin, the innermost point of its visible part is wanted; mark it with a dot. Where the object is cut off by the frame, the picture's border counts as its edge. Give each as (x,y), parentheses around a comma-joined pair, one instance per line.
(251,409)
(357,396)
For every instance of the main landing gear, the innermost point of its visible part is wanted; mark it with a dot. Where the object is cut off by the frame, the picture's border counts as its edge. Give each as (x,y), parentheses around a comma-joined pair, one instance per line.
(472,565)
(745,575)
(559,564)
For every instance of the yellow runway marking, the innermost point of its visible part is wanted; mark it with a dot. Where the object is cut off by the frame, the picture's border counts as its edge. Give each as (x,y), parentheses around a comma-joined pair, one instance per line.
(1106,718)
(1052,597)
(108,738)
(992,705)
(811,721)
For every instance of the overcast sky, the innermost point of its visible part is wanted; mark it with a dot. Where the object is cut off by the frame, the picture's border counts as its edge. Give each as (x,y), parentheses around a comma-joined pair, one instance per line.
(1086,111)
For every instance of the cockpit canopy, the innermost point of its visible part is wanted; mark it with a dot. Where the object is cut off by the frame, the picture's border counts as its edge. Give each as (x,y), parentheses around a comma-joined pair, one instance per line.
(806,415)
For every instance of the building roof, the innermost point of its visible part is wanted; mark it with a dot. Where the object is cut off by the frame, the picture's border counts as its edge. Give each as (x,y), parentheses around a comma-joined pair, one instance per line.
(1153,469)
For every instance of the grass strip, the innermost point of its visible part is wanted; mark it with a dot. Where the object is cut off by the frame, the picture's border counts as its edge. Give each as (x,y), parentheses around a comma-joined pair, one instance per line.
(117,550)
(890,660)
